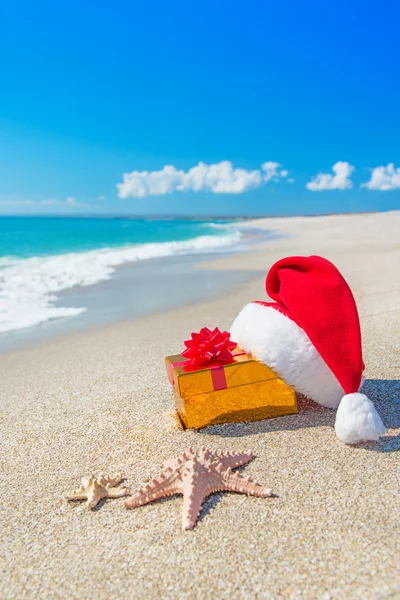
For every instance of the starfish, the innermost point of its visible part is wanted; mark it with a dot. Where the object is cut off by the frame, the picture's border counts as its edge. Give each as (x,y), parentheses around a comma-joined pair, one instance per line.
(97,487)
(196,475)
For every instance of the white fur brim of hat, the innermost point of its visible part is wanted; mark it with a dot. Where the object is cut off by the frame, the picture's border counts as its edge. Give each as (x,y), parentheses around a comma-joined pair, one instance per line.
(281,344)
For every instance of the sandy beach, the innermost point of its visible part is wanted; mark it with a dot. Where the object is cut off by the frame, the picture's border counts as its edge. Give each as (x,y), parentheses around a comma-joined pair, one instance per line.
(100,400)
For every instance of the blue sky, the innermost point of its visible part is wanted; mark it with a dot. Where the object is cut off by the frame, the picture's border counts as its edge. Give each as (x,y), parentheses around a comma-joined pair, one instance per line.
(91,91)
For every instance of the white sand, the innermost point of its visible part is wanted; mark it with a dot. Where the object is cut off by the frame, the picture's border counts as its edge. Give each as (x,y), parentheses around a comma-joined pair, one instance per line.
(101,400)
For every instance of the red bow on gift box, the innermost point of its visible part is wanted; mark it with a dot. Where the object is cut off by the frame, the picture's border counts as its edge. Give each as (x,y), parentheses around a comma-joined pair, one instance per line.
(209,346)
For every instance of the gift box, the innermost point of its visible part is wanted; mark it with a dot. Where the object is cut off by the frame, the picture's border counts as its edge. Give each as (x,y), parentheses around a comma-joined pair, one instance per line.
(242,389)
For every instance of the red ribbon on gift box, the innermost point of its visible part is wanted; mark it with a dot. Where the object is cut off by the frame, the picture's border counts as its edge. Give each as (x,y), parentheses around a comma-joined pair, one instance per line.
(208,346)
(210,349)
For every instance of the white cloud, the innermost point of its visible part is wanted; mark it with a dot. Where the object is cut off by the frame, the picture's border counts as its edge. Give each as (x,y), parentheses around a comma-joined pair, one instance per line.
(218,178)
(271,171)
(339,181)
(384,178)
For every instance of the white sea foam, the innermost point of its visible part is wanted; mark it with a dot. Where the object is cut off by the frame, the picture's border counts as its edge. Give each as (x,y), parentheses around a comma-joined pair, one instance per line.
(28,287)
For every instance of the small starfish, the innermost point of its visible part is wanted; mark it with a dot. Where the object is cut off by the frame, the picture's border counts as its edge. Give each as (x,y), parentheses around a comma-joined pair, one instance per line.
(196,475)
(97,487)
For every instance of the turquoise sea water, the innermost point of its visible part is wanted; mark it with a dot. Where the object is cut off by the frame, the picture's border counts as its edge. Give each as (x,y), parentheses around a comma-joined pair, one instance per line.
(24,237)
(43,256)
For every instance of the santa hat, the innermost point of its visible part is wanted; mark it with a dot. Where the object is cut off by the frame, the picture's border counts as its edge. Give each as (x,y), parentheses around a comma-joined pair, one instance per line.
(310,336)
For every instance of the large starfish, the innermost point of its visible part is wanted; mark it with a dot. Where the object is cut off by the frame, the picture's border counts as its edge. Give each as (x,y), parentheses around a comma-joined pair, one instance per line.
(97,487)
(196,475)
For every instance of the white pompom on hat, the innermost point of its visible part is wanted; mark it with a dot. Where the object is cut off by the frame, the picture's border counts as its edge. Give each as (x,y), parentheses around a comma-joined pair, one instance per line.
(310,336)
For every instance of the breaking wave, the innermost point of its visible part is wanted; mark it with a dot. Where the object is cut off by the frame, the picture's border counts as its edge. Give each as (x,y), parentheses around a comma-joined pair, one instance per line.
(29,286)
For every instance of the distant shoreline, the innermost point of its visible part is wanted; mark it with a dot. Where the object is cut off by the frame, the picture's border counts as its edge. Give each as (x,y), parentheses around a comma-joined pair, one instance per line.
(190,217)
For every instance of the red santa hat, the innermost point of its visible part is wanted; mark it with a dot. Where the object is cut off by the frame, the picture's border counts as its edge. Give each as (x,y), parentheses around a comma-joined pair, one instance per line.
(310,335)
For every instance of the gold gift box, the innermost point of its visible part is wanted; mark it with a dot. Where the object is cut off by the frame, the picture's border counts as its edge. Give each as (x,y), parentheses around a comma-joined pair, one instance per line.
(243,390)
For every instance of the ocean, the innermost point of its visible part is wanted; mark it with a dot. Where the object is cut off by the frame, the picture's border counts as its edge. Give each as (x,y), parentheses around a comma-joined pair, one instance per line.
(42,258)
